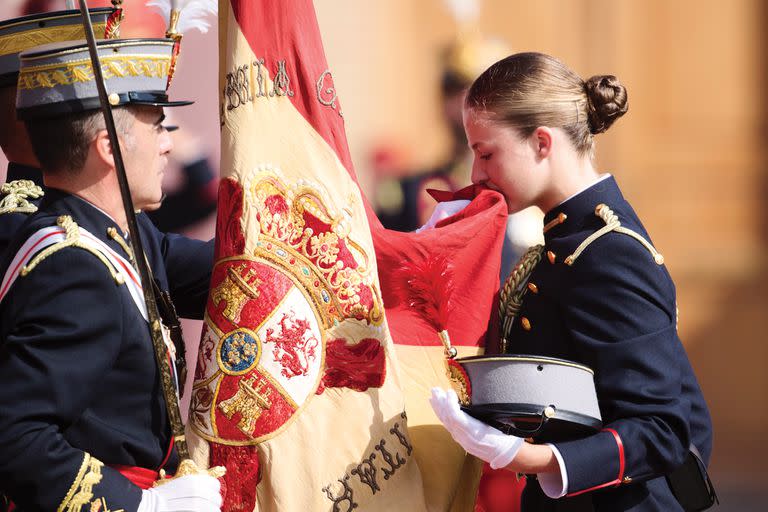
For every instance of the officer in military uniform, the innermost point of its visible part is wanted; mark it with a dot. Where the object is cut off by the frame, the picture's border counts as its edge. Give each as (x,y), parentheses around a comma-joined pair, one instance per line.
(83,424)
(596,293)
(24,188)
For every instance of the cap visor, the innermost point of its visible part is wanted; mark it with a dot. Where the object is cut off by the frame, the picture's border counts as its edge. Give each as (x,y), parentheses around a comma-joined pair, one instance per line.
(161,103)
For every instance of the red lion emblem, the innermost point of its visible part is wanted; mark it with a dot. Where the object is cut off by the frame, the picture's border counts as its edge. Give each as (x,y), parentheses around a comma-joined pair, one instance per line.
(293,349)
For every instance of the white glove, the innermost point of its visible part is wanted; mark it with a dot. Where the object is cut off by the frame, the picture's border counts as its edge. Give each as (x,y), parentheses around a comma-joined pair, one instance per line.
(443,211)
(477,438)
(191,493)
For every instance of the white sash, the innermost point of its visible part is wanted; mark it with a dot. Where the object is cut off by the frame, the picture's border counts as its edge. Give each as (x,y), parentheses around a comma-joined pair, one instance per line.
(54,234)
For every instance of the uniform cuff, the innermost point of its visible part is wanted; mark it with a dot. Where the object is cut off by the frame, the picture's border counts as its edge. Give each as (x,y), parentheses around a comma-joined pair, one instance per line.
(555,485)
(99,487)
(594,462)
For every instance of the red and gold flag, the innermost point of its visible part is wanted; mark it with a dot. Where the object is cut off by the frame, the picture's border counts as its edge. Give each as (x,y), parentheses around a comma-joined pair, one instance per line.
(295,392)
(299,389)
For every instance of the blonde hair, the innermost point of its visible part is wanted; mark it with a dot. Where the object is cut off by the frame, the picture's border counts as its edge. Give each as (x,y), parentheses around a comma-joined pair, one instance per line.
(528,90)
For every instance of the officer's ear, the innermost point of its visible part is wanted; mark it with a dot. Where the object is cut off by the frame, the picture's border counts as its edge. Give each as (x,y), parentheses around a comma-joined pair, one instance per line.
(541,138)
(103,148)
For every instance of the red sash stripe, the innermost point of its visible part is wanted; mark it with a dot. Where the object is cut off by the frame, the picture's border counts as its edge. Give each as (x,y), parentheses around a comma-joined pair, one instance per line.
(144,478)
(26,255)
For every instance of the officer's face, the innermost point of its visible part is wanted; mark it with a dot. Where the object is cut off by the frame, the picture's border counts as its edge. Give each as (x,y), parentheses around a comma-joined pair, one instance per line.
(503,160)
(146,156)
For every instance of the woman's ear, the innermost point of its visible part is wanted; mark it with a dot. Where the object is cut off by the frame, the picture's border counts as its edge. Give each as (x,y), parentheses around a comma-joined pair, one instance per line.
(542,139)
(103,148)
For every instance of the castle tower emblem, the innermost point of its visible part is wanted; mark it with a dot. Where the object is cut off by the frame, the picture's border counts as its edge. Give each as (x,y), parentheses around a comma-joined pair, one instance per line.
(249,402)
(240,286)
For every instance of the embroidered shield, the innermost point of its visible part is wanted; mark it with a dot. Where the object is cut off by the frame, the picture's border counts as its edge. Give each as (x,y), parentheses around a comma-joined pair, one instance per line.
(263,353)
(265,337)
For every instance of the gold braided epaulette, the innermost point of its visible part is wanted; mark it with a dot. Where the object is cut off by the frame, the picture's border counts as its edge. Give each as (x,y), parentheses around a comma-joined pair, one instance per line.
(511,295)
(612,223)
(71,239)
(16,195)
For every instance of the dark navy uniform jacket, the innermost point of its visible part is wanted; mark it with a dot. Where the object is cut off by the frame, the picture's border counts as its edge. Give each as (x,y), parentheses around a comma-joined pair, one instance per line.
(80,390)
(614,310)
(12,221)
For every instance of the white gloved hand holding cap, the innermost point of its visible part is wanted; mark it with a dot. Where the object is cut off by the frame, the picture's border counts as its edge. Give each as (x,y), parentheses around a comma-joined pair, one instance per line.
(481,440)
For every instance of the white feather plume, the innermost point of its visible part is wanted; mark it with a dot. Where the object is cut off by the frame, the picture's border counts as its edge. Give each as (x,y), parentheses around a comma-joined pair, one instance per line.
(194,14)
(464,11)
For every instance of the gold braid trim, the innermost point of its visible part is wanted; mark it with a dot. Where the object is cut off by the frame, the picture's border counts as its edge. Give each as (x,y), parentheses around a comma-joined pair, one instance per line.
(71,239)
(612,223)
(19,41)
(81,491)
(114,235)
(17,194)
(511,296)
(75,483)
(48,76)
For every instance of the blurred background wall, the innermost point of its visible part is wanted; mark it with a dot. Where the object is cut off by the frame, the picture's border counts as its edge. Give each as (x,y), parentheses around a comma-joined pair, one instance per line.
(690,155)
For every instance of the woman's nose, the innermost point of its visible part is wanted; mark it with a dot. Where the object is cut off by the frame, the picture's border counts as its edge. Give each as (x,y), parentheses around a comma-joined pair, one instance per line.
(478,173)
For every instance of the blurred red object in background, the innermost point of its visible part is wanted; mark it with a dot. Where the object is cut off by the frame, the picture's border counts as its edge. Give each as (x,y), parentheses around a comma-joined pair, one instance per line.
(499,491)
(140,20)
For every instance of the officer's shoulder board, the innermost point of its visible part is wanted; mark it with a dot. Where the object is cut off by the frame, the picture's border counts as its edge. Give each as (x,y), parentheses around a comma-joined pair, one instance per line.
(612,223)
(66,233)
(15,196)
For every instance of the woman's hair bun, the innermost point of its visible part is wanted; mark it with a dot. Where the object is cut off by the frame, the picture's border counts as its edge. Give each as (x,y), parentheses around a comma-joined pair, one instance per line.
(606,102)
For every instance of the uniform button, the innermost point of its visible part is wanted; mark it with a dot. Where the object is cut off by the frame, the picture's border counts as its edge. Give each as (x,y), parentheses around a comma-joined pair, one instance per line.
(533,288)
(626,480)
(525,323)
(551,256)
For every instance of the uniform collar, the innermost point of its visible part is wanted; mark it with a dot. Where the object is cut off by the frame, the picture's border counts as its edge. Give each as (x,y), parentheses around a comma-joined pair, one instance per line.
(86,215)
(24,172)
(578,211)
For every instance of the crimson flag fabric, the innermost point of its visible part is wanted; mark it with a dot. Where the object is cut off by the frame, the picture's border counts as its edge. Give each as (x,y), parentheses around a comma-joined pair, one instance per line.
(470,243)
(311,395)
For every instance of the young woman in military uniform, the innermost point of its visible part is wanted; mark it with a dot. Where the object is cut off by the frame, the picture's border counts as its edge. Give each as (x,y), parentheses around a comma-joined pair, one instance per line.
(599,295)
